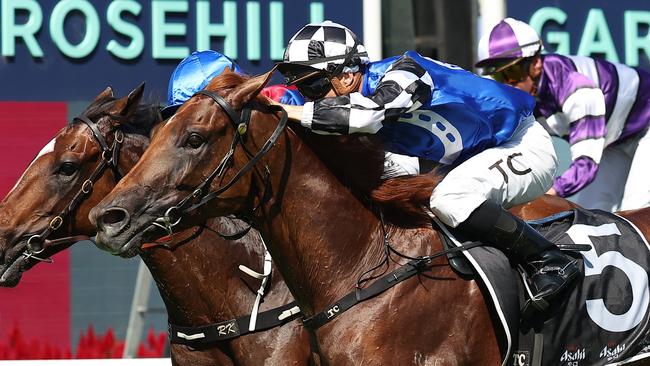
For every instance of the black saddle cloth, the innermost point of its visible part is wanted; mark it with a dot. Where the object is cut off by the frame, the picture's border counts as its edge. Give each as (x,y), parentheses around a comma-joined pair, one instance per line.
(602,319)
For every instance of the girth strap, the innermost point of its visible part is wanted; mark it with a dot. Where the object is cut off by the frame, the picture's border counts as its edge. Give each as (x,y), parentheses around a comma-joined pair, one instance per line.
(385,282)
(361,294)
(202,335)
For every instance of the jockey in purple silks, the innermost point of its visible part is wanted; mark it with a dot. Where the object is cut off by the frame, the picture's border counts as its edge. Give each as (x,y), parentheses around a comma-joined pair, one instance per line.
(601,108)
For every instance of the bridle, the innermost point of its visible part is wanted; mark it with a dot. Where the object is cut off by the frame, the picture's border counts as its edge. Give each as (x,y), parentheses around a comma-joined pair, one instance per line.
(37,243)
(201,194)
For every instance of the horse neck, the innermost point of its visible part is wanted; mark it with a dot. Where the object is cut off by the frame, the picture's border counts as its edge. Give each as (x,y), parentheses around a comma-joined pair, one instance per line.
(199,281)
(321,237)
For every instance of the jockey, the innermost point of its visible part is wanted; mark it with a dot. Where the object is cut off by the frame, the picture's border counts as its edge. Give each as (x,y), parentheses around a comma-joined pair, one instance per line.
(600,108)
(195,71)
(438,112)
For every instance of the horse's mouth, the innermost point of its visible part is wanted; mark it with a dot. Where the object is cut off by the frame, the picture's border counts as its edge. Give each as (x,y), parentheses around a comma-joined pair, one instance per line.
(12,271)
(130,249)
(133,245)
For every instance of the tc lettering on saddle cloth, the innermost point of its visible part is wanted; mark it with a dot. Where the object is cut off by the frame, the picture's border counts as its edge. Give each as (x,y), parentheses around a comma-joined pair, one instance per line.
(604,318)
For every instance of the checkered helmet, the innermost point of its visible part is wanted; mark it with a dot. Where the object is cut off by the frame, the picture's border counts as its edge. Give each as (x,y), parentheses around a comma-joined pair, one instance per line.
(509,40)
(325,46)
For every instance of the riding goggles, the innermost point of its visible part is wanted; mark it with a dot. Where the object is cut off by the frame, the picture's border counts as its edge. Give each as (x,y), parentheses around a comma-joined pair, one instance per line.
(311,82)
(513,72)
(315,83)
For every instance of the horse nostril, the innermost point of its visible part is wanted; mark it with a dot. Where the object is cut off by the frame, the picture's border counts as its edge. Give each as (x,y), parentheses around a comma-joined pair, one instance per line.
(114,218)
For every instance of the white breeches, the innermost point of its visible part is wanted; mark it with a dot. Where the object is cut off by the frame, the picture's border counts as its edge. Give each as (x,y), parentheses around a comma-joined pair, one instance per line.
(518,171)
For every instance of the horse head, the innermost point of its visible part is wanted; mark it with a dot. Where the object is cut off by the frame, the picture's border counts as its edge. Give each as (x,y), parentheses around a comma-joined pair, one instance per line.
(191,150)
(78,167)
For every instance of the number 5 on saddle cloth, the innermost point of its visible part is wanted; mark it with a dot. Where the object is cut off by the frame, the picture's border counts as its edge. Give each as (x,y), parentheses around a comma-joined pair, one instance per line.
(603,319)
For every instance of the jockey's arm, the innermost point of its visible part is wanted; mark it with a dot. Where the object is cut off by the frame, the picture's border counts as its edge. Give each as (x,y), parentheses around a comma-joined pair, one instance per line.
(405,87)
(585,111)
(294,112)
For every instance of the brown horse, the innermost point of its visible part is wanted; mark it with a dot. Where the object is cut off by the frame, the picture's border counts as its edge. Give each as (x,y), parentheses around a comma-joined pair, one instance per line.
(322,236)
(199,279)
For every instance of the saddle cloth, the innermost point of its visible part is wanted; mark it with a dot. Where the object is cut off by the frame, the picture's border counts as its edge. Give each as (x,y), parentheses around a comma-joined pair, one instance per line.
(602,320)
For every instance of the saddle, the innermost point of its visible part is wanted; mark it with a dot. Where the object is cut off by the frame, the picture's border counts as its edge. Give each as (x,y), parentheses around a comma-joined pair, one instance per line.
(603,318)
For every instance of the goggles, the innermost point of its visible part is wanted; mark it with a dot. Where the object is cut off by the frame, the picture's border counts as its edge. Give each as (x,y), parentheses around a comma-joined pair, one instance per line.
(513,72)
(315,87)
(310,82)
(315,83)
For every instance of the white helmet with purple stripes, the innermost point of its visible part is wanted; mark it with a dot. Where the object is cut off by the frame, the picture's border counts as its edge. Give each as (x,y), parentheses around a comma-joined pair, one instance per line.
(509,40)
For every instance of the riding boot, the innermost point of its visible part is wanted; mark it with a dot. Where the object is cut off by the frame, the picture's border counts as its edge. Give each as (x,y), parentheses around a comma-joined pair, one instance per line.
(549,271)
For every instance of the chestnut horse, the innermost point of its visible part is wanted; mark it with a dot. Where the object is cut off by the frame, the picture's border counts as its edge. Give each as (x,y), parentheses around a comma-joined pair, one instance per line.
(199,280)
(322,236)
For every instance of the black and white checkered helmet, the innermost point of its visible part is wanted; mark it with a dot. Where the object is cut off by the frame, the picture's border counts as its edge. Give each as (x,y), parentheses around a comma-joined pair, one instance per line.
(325,46)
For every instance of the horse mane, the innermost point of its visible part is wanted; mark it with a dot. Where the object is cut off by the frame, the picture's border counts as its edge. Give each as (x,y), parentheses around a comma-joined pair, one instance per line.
(142,122)
(357,161)
(229,81)
(409,195)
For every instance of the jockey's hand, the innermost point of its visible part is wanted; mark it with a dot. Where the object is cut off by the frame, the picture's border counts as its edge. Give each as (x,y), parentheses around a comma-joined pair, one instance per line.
(552,192)
(294,112)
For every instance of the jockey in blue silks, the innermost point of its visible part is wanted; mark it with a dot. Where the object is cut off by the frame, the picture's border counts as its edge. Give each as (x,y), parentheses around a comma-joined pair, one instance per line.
(195,71)
(426,109)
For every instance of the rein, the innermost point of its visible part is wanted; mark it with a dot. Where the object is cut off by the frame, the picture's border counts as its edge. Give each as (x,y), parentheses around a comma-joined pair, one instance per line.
(201,194)
(37,243)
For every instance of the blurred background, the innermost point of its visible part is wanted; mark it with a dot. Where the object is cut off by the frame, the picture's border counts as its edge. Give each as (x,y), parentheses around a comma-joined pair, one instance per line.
(57,55)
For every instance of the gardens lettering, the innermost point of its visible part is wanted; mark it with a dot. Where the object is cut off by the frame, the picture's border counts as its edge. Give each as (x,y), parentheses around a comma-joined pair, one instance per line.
(596,36)
(117,14)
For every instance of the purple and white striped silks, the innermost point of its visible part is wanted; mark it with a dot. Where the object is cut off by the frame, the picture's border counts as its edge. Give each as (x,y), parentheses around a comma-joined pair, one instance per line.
(591,103)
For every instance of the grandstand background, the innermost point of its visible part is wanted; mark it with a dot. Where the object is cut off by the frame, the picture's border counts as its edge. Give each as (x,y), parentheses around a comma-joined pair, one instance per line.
(57,55)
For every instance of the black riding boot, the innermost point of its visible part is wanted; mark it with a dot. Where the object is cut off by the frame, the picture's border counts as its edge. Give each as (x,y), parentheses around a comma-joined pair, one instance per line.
(548,269)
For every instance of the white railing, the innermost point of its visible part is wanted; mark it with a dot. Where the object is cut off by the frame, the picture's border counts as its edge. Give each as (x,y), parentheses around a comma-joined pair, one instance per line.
(99,362)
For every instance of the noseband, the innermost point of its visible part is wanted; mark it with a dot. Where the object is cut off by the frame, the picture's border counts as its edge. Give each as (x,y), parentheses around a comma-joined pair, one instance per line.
(201,194)
(37,243)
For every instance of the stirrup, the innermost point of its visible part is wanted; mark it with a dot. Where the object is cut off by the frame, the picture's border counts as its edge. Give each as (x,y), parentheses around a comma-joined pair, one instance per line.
(534,304)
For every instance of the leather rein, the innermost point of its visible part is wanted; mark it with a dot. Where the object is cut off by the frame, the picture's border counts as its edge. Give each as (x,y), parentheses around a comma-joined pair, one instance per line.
(201,194)
(37,243)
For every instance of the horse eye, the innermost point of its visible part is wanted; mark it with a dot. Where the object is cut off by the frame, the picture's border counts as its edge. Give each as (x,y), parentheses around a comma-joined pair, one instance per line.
(68,169)
(195,141)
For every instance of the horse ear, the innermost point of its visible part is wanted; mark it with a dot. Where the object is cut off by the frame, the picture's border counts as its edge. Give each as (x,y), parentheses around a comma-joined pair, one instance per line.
(250,89)
(107,93)
(129,104)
